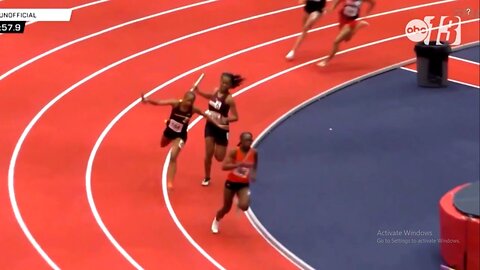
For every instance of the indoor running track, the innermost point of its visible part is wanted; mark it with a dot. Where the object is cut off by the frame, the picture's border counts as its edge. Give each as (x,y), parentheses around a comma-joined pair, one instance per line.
(80,159)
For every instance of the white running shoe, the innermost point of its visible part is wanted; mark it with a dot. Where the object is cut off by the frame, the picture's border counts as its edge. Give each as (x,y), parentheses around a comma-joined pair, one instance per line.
(323,63)
(290,55)
(206,182)
(215,224)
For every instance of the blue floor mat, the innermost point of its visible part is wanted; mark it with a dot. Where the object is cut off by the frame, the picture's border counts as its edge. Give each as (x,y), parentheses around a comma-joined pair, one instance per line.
(330,196)
(472,54)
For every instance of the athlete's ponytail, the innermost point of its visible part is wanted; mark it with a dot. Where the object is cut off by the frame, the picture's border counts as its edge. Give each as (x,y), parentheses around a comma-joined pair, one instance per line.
(236,79)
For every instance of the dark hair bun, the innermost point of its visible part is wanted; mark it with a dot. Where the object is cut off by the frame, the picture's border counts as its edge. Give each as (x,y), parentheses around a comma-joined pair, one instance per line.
(235,78)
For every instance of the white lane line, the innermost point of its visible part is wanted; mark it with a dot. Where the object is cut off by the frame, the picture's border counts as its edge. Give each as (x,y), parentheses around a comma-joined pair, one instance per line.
(464,60)
(28,62)
(91,202)
(175,218)
(11,171)
(11,181)
(52,102)
(164,188)
(89,4)
(111,124)
(455,81)
(65,45)
(250,214)
(284,251)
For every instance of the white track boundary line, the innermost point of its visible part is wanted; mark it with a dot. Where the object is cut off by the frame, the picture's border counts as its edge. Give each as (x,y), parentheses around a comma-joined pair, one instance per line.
(175,218)
(11,179)
(89,4)
(250,214)
(98,219)
(451,80)
(63,46)
(282,39)
(472,44)
(37,117)
(168,204)
(11,172)
(28,62)
(285,252)
(24,228)
(111,124)
(464,83)
(464,60)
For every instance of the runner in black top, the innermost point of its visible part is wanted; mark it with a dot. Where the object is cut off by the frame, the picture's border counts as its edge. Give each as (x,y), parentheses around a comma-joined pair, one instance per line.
(220,105)
(176,127)
(314,9)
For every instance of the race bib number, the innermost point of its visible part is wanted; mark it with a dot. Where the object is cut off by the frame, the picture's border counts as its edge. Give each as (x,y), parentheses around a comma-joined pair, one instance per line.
(242,172)
(216,104)
(175,126)
(213,115)
(350,11)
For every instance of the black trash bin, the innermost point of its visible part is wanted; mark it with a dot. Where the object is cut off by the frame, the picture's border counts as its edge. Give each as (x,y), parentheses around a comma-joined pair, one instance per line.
(432,64)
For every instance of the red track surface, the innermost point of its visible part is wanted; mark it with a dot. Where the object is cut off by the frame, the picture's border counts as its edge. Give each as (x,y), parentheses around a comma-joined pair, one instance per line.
(43,36)
(50,170)
(459,71)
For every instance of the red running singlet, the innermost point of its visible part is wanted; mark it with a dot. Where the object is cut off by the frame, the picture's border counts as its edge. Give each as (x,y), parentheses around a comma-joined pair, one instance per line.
(242,174)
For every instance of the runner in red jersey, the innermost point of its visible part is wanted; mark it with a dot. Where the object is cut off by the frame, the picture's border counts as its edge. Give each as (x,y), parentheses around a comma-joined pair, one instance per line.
(242,164)
(348,23)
